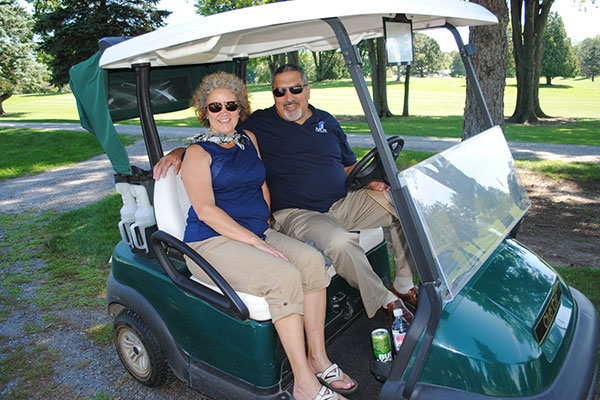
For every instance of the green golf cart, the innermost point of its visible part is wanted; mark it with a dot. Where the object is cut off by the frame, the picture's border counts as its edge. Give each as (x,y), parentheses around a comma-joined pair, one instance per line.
(493,320)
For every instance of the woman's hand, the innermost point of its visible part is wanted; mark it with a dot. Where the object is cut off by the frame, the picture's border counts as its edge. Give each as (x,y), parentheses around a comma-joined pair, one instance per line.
(162,166)
(267,248)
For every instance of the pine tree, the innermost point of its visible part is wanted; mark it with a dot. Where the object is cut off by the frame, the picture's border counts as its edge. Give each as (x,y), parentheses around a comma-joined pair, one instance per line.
(559,57)
(19,69)
(588,53)
(70,29)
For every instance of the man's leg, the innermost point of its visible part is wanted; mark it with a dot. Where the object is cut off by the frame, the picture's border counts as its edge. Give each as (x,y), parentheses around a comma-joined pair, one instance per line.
(342,247)
(365,209)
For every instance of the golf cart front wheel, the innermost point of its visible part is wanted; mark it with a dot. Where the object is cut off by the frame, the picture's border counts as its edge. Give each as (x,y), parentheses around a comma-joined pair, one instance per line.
(139,350)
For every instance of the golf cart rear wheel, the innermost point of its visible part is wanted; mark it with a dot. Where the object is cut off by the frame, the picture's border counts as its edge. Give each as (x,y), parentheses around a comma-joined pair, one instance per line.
(139,350)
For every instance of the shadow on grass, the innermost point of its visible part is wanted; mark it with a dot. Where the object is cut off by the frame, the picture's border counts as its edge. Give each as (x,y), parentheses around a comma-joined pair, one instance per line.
(9,118)
(554,86)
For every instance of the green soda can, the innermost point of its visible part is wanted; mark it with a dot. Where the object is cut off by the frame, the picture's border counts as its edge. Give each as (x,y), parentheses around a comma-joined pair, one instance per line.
(381,345)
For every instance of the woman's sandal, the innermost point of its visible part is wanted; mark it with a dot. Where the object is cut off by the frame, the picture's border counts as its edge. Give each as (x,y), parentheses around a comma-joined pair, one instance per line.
(333,373)
(324,394)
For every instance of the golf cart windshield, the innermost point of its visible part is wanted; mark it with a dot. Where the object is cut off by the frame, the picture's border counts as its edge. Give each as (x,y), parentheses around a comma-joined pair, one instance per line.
(467,200)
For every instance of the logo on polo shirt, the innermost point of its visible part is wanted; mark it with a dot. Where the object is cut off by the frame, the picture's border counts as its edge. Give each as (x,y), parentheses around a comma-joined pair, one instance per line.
(321,127)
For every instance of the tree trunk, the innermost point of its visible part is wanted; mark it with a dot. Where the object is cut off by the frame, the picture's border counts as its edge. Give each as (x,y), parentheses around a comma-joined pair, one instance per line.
(373,69)
(549,80)
(384,110)
(3,97)
(491,45)
(376,48)
(293,58)
(406,78)
(539,54)
(527,44)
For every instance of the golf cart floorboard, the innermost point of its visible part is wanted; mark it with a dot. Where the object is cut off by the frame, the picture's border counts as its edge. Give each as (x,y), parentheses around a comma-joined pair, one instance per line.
(353,352)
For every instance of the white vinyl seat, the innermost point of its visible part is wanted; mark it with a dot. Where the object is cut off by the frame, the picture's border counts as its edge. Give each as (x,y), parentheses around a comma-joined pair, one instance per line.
(171,205)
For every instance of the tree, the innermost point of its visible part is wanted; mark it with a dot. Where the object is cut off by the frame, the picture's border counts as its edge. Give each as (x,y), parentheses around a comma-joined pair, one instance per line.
(559,57)
(428,56)
(378,63)
(209,7)
(328,65)
(406,87)
(588,54)
(19,70)
(490,44)
(457,68)
(70,29)
(529,18)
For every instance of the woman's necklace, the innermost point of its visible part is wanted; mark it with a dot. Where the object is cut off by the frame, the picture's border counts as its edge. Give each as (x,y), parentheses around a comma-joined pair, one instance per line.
(220,138)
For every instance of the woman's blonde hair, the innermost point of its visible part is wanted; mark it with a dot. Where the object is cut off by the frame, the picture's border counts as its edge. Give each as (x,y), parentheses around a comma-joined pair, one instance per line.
(220,80)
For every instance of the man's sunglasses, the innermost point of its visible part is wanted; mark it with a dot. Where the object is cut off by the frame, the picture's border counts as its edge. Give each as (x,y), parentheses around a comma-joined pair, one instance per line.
(217,106)
(296,89)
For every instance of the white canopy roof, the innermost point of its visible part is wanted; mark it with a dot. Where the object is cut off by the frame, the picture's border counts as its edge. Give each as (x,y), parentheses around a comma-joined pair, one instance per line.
(281,27)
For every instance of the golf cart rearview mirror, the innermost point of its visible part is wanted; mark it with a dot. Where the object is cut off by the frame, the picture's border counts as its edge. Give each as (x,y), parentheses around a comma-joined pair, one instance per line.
(398,40)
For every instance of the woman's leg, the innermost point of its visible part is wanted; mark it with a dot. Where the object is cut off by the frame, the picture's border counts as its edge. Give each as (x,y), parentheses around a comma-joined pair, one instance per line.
(291,334)
(314,325)
(314,282)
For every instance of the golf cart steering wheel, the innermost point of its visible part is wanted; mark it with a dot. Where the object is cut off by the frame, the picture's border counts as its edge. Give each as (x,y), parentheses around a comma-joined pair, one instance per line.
(370,168)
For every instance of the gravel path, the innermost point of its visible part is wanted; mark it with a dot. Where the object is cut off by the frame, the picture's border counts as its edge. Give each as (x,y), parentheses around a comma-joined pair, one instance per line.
(92,180)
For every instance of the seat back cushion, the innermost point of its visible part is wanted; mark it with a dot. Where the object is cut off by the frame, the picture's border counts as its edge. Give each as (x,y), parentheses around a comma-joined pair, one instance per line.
(171,204)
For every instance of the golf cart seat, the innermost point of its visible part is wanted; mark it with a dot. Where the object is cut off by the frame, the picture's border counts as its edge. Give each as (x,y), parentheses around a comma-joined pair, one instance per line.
(171,206)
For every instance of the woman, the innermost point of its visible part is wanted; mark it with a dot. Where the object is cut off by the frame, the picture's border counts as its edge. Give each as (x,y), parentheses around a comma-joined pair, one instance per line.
(228,224)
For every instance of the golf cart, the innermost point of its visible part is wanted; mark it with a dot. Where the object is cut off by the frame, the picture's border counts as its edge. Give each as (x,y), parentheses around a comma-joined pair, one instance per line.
(493,320)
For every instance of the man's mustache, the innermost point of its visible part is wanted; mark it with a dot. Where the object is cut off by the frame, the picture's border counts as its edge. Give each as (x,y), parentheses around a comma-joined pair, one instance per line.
(291,102)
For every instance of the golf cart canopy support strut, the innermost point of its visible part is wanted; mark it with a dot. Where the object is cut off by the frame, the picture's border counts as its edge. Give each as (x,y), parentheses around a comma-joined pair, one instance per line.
(466,51)
(142,87)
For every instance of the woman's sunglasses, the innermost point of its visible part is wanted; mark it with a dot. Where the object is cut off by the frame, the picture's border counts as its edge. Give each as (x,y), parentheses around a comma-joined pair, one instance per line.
(217,106)
(296,89)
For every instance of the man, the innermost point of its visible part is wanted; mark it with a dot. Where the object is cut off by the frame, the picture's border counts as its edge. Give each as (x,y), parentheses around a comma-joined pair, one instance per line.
(307,157)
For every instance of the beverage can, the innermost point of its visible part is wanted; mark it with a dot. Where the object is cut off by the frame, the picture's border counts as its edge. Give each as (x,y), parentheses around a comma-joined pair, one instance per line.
(381,345)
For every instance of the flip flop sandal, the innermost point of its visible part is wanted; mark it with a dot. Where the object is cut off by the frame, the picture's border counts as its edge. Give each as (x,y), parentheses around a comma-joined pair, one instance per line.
(324,394)
(334,374)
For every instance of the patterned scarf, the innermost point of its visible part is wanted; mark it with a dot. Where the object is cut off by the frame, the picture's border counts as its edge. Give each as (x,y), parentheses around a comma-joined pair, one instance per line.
(240,140)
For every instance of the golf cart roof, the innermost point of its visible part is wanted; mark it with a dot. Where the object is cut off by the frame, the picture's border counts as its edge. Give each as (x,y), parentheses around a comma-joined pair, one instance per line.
(282,27)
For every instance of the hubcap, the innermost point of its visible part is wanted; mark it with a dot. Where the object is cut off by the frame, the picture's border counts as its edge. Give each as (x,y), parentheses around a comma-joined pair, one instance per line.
(134,352)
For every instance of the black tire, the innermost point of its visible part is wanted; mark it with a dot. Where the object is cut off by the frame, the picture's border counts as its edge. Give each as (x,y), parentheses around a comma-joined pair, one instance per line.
(139,350)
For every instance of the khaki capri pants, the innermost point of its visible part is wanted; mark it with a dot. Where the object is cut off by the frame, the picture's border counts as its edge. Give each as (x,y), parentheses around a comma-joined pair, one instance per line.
(282,283)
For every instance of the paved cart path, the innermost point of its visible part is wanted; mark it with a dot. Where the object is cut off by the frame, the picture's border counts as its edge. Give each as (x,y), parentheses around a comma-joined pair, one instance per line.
(75,186)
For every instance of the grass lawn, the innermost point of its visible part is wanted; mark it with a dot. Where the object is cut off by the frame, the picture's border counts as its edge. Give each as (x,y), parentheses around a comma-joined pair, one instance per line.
(30,152)
(436,106)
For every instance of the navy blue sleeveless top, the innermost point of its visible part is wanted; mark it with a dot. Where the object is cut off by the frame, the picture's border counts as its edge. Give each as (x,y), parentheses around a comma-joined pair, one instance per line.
(237,178)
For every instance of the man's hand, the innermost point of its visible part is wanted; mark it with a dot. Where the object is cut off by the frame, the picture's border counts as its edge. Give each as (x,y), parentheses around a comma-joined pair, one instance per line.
(162,166)
(380,186)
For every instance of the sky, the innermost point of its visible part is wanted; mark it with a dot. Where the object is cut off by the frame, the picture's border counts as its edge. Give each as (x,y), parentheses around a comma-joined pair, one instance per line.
(578,23)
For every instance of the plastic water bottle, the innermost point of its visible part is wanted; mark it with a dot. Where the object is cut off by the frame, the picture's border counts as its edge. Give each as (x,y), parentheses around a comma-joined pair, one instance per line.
(399,328)
(127,212)
(144,217)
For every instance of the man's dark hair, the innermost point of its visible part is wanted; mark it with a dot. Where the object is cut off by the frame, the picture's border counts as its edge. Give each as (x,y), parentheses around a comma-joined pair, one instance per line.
(289,68)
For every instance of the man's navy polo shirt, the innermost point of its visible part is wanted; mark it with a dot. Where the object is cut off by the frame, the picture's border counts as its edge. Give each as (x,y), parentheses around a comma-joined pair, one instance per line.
(305,163)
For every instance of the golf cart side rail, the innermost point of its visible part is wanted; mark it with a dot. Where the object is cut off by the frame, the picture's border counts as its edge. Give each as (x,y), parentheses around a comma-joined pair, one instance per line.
(228,301)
